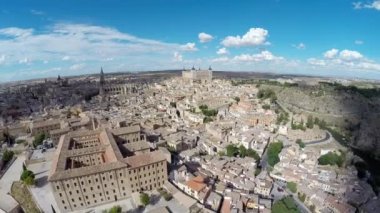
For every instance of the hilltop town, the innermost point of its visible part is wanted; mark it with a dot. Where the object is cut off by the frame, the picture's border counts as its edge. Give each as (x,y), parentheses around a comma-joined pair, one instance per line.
(194,141)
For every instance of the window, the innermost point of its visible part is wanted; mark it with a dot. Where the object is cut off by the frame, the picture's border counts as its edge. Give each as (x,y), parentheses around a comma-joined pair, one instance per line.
(89,181)
(98,187)
(77,191)
(63,202)
(84,190)
(68,186)
(96,179)
(72,199)
(75,184)
(121,181)
(100,194)
(88,202)
(93,195)
(121,174)
(60,194)
(86,197)
(79,198)
(110,176)
(69,192)
(114,191)
(91,188)
(105,185)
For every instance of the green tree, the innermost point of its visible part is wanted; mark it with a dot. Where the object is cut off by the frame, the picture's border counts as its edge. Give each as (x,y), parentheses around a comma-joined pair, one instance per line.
(144,199)
(266,106)
(27,177)
(7,156)
(273,150)
(242,151)
(292,186)
(300,143)
(38,139)
(332,158)
(253,154)
(207,119)
(115,209)
(232,150)
(237,99)
(310,122)
(285,205)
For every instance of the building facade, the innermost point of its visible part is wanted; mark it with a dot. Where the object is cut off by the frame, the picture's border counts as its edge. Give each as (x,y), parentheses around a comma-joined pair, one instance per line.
(91,168)
(193,75)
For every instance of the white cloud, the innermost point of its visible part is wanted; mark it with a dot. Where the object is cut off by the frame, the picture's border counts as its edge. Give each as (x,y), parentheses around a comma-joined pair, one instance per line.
(16,32)
(220,59)
(317,62)
(24,61)
(2,59)
(373,5)
(65,58)
(345,60)
(359,42)
(204,37)
(37,12)
(300,46)
(331,53)
(254,37)
(349,55)
(77,66)
(80,42)
(222,51)
(262,56)
(189,47)
(177,57)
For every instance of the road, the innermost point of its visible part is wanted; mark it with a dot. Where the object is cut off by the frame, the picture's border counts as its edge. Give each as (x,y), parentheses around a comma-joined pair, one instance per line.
(7,202)
(328,136)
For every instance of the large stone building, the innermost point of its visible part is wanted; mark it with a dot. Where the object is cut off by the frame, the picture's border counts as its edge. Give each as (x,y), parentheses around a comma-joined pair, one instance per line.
(193,75)
(99,166)
(44,126)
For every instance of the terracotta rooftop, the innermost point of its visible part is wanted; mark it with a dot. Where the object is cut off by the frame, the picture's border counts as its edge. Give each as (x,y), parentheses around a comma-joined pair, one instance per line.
(197,183)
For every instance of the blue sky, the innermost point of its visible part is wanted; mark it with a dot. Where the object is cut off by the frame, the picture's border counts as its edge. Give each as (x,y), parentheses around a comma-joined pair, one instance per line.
(325,37)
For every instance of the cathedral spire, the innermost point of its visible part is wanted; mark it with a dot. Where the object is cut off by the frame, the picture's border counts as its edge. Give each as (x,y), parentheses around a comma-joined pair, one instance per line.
(101,80)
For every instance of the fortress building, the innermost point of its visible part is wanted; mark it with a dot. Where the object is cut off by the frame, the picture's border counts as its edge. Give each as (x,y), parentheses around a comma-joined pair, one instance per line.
(193,75)
(115,89)
(93,167)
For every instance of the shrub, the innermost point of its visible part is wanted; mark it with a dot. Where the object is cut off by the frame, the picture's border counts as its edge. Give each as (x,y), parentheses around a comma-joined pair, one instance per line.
(273,150)
(38,139)
(285,205)
(332,159)
(144,199)
(7,156)
(300,143)
(27,177)
(292,186)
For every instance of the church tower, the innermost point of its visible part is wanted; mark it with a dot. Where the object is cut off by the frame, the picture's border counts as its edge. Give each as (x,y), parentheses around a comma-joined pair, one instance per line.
(101,82)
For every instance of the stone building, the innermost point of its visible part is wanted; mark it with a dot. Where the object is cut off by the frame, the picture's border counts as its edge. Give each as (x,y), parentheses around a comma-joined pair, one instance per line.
(193,75)
(44,126)
(91,168)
